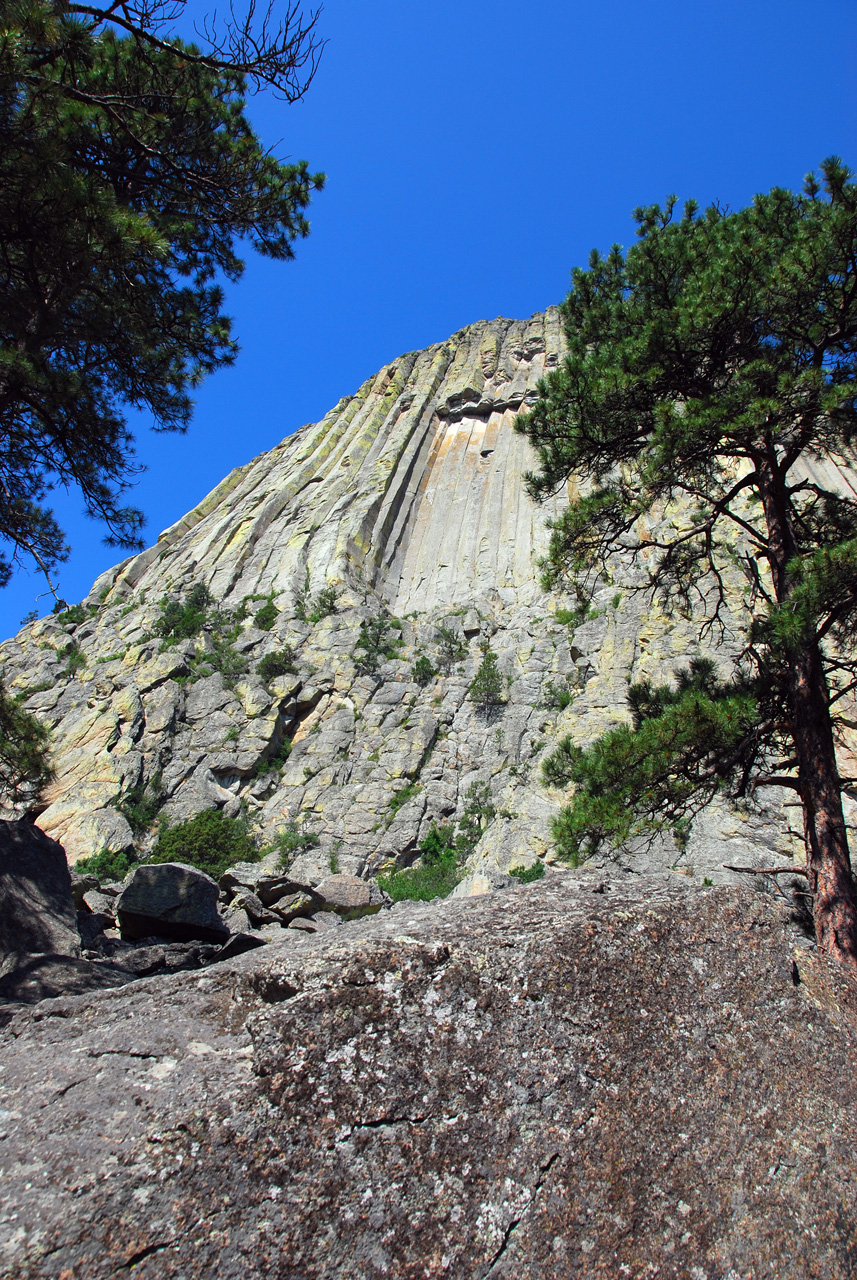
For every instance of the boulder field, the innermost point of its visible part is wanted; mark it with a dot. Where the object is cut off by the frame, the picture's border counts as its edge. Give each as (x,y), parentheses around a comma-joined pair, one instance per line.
(588,1076)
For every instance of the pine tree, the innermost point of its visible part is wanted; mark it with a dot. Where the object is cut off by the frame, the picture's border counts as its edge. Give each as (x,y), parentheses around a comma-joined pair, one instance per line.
(713,367)
(128,175)
(487,688)
(25,766)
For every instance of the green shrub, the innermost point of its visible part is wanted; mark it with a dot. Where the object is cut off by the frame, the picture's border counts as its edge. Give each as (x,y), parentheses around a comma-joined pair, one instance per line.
(290,841)
(265,617)
(72,616)
(324,605)
(558,695)
(223,630)
(478,813)
(224,657)
(451,649)
(527,875)
(487,688)
(140,806)
(438,843)
(571,618)
(31,690)
(401,798)
(375,643)
(184,620)
(210,841)
(107,866)
(436,874)
(276,761)
(313,608)
(279,663)
(76,659)
(25,766)
(422,672)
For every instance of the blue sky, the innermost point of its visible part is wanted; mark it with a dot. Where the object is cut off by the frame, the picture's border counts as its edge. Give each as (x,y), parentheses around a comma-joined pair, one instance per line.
(476,150)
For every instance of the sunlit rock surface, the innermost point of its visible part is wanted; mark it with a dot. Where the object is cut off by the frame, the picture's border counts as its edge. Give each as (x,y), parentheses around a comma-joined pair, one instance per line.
(408,496)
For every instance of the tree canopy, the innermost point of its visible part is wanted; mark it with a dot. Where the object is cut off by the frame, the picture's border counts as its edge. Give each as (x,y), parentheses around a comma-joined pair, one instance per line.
(129,173)
(711,377)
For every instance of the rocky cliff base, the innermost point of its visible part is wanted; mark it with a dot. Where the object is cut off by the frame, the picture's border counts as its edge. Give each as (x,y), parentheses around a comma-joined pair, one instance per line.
(581,1077)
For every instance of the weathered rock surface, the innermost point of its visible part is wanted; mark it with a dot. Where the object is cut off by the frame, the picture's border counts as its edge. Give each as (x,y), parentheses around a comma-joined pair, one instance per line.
(37,911)
(483,880)
(572,1078)
(349,896)
(170,900)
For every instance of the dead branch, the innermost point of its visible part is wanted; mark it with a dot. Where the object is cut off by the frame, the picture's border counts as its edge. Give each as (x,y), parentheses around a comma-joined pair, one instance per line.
(768,871)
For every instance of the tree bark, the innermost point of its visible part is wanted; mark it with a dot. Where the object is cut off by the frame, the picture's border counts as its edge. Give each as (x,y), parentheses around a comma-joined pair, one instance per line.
(827,854)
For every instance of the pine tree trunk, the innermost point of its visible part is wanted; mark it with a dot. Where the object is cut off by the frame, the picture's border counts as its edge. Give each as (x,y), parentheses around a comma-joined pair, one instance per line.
(828,859)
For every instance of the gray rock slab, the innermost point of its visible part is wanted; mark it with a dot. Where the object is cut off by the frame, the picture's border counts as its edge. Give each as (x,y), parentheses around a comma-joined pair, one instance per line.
(484,880)
(101,903)
(46,977)
(172,900)
(556,1081)
(81,884)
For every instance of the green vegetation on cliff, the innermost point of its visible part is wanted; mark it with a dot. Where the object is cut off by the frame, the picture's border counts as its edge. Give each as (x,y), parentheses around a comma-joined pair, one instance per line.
(25,766)
(210,841)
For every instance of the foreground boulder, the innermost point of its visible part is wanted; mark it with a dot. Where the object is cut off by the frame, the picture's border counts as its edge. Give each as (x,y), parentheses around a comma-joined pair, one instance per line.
(574,1078)
(40,946)
(37,911)
(170,900)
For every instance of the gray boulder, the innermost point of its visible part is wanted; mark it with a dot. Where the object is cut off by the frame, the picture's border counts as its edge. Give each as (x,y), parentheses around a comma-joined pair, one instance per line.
(264,879)
(484,880)
(40,946)
(170,900)
(81,884)
(143,961)
(37,911)
(100,903)
(237,944)
(349,896)
(236,920)
(46,977)
(303,902)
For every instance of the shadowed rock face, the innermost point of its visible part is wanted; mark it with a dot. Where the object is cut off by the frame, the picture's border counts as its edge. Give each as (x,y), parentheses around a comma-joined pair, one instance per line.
(37,912)
(569,1079)
(410,496)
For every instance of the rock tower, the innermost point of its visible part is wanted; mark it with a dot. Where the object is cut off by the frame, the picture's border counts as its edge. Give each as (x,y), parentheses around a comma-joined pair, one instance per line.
(406,503)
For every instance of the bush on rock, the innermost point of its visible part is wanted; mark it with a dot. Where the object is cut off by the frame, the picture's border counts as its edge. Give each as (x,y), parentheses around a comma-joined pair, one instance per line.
(210,841)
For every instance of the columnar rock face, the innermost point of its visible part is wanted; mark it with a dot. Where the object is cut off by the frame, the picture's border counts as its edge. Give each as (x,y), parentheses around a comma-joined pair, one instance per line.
(407,497)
